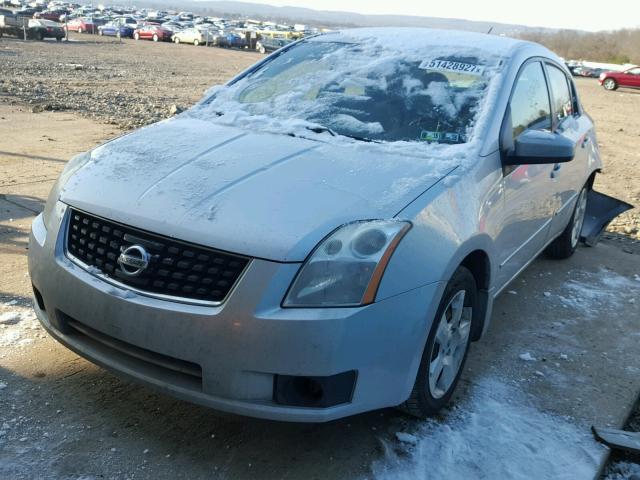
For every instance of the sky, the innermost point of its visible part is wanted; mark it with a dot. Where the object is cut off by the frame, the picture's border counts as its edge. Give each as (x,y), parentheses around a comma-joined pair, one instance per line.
(578,14)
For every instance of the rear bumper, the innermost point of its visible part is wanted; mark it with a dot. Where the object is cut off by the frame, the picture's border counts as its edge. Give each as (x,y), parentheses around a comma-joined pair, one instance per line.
(239,349)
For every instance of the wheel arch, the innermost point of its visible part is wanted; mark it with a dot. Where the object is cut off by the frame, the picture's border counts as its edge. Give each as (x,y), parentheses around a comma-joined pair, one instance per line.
(479,264)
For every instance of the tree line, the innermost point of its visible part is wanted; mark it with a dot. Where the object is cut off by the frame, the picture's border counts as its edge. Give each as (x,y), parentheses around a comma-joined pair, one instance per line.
(619,46)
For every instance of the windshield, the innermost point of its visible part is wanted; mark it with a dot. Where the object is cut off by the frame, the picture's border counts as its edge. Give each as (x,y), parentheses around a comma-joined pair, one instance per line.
(365,91)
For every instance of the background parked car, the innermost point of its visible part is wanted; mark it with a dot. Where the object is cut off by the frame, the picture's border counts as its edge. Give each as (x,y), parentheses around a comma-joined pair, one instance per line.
(46,29)
(193,35)
(49,15)
(112,29)
(629,78)
(157,33)
(81,25)
(269,44)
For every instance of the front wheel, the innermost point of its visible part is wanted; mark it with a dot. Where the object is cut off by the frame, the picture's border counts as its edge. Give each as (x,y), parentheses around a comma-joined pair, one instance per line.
(136,36)
(196,42)
(446,349)
(176,40)
(610,84)
(565,245)
(155,37)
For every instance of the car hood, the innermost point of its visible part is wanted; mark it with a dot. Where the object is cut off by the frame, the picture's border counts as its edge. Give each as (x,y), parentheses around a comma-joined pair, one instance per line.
(264,195)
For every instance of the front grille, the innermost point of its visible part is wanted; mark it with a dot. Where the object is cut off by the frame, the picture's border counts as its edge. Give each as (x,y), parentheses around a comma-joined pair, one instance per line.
(176,269)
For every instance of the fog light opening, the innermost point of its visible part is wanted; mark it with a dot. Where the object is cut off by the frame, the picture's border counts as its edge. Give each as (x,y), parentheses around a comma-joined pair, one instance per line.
(308,389)
(314,392)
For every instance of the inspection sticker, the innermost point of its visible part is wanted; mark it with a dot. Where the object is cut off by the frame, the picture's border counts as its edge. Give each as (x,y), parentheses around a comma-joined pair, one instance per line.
(428,136)
(456,67)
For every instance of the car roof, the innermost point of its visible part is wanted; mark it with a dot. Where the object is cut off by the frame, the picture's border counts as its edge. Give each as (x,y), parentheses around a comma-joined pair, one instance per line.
(409,38)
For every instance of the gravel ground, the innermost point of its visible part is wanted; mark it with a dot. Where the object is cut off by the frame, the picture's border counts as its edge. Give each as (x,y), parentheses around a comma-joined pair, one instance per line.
(127,84)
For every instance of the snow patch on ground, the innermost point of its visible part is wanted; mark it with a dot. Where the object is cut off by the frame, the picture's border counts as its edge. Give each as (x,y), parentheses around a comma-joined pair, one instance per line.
(623,471)
(592,293)
(496,433)
(18,325)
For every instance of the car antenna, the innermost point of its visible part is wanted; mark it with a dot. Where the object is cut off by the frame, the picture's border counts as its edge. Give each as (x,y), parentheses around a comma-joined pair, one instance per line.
(490,30)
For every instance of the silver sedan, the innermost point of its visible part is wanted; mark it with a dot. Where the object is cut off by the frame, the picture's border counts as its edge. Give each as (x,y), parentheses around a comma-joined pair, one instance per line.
(327,233)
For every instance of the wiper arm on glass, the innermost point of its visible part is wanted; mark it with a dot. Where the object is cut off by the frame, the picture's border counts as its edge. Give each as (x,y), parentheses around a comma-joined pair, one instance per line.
(361,139)
(321,129)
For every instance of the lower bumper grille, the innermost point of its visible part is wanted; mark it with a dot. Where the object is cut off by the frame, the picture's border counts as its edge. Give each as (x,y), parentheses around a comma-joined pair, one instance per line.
(161,367)
(175,269)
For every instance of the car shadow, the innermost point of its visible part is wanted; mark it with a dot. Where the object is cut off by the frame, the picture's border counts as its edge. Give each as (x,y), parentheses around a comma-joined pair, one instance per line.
(19,206)
(32,157)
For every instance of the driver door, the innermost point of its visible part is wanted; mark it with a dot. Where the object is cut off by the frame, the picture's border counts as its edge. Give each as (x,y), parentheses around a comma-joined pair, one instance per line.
(528,193)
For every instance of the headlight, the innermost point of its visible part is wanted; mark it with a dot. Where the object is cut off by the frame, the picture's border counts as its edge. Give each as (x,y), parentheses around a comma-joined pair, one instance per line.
(345,269)
(72,166)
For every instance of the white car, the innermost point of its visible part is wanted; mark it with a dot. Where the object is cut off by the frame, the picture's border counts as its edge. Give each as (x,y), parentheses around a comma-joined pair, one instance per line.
(194,36)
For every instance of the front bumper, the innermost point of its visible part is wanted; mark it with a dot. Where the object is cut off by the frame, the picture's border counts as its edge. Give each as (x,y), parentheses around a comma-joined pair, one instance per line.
(239,348)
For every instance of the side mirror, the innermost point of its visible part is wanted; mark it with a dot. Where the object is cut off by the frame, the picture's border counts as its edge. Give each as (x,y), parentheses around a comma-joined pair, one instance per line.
(533,147)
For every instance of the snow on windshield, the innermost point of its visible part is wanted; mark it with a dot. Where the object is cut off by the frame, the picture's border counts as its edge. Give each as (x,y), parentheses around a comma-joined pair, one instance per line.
(365,89)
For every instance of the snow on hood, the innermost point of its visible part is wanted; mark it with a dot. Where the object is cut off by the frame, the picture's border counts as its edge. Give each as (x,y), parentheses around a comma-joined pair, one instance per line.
(259,194)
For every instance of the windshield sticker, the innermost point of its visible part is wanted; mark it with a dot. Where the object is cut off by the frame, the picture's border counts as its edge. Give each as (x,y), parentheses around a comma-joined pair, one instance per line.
(428,136)
(455,67)
(448,137)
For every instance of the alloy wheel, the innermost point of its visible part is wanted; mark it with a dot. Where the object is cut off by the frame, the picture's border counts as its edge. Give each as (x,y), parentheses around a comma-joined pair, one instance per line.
(449,345)
(609,84)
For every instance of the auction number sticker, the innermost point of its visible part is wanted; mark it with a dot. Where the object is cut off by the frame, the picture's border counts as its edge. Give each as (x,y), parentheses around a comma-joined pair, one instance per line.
(455,67)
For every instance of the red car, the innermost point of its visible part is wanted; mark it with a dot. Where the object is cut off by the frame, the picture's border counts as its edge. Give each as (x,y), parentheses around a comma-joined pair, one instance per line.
(49,15)
(629,78)
(82,25)
(156,33)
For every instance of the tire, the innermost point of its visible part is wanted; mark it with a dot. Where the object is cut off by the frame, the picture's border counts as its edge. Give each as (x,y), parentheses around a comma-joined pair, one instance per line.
(565,245)
(41,36)
(100,33)
(79,29)
(59,39)
(610,84)
(435,382)
(262,50)
(155,37)
(136,36)
(176,40)
(196,42)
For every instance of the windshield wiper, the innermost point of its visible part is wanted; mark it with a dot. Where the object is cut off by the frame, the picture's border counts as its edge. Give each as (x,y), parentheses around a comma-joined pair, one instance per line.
(321,129)
(361,139)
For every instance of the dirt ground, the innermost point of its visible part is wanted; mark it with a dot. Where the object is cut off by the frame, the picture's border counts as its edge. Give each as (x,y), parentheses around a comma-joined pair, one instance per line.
(62,417)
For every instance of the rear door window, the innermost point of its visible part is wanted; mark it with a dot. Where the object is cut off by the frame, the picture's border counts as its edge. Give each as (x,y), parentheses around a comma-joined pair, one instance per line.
(560,94)
(530,108)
